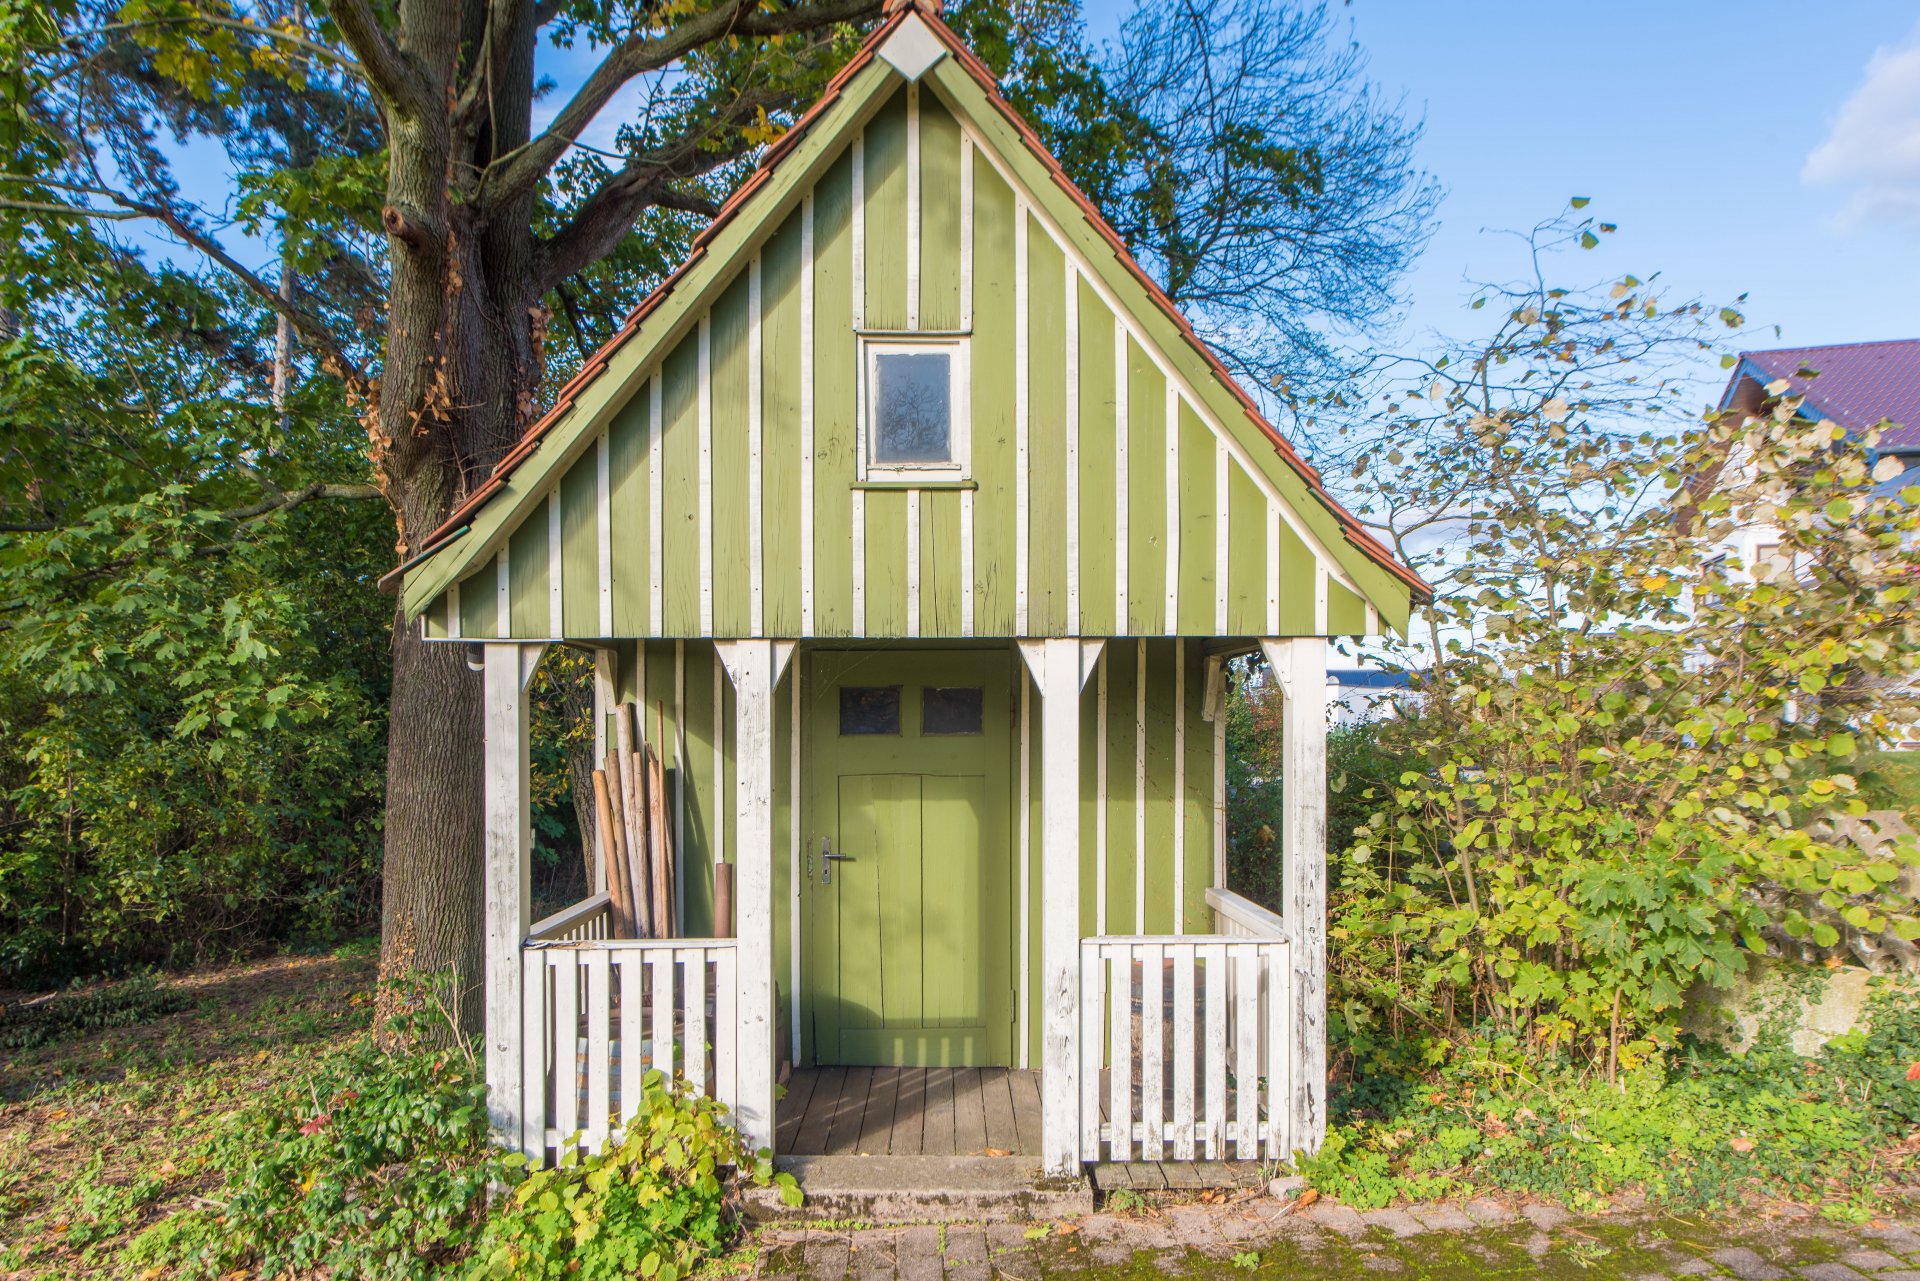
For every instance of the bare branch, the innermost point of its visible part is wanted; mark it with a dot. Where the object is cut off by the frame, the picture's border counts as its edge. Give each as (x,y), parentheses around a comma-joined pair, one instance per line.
(516,172)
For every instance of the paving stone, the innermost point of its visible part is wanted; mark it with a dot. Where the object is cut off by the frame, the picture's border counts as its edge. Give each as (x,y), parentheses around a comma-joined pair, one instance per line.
(1829,1272)
(1334,1216)
(1487,1213)
(1008,1238)
(1871,1260)
(1538,1244)
(1651,1276)
(826,1257)
(917,1254)
(1192,1225)
(1897,1237)
(1746,1265)
(1904,1274)
(1398,1222)
(1544,1217)
(966,1256)
(871,1257)
(1692,1267)
(1445,1218)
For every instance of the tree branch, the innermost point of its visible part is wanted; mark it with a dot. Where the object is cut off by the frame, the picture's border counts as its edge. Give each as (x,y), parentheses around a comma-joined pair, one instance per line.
(386,68)
(519,170)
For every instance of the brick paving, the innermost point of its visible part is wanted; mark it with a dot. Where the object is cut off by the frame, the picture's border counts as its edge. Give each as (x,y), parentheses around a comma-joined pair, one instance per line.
(1256,1235)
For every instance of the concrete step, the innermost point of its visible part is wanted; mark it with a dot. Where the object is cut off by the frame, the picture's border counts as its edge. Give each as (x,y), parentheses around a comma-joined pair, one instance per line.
(921,1189)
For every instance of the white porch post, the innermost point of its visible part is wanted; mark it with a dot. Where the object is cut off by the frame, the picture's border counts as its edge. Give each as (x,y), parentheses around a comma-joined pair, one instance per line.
(1299,665)
(1056,668)
(755,667)
(509,840)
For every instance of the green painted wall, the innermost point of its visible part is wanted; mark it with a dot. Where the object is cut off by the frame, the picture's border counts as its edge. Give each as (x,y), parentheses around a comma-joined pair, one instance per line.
(1041,337)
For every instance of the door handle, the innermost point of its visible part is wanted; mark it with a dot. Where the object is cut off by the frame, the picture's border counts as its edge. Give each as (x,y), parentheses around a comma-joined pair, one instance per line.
(828,858)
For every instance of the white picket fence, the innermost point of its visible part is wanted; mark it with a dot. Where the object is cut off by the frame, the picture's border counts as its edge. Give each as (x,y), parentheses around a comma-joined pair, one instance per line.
(1183,1048)
(599,1014)
(590,918)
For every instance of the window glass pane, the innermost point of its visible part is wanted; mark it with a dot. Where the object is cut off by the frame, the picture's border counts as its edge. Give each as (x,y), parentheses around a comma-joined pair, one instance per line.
(912,417)
(951,711)
(869,709)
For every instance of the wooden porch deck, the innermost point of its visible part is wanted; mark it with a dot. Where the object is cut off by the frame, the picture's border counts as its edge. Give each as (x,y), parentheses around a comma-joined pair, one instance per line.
(909,1112)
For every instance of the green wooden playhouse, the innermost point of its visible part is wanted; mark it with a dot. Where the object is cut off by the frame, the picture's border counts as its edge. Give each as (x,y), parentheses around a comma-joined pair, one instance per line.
(920,526)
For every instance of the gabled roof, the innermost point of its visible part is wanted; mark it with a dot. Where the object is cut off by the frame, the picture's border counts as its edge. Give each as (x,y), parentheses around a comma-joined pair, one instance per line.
(899,14)
(1857,385)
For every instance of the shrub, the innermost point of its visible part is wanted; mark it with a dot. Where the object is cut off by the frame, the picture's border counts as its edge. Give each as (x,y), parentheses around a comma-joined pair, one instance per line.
(137,1000)
(653,1205)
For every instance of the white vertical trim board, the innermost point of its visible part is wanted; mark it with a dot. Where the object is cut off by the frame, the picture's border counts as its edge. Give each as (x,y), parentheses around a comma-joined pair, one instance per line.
(1058,668)
(755,557)
(1172,621)
(1073,447)
(720,801)
(556,573)
(704,424)
(806,415)
(858,502)
(1217,698)
(656,485)
(966,231)
(1022,483)
(508,840)
(859,215)
(1120,475)
(502,593)
(603,530)
(913,205)
(680,776)
(1222,460)
(913,562)
(453,610)
(1320,599)
(966,562)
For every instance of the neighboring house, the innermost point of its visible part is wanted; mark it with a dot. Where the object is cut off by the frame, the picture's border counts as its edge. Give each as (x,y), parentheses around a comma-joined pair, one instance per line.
(920,526)
(1356,695)
(1855,385)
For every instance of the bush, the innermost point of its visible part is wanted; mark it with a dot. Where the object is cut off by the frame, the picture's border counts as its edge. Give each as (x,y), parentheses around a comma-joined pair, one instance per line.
(654,1205)
(377,1166)
(137,1000)
(1699,1127)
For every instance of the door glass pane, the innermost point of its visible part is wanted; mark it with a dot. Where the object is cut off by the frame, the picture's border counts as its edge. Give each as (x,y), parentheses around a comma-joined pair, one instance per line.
(869,709)
(954,710)
(912,418)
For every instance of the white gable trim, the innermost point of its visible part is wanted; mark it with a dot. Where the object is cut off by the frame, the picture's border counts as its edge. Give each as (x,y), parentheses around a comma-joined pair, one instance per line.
(913,49)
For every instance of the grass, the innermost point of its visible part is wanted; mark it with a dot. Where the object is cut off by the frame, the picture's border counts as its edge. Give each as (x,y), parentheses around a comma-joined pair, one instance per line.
(102,1128)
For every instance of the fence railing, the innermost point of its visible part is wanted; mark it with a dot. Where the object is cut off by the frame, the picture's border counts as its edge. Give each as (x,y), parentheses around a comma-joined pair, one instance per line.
(599,1013)
(590,918)
(1241,917)
(1183,1048)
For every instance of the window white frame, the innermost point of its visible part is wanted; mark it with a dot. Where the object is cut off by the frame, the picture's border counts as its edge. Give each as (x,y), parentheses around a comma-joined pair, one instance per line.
(959,465)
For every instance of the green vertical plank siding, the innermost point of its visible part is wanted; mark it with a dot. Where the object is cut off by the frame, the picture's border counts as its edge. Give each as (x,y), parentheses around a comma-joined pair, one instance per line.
(833,403)
(1247,557)
(696,857)
(628,504)
(1146,493)
(886,215)
(1346,612)
(1199,534)
(992,362)
(580,548)
(732,562)
(1046,434)
(886,563)
(433,619)
(1196,813)
(680,493)
(1159,797)
(528,577)
(1297,589)
(1123,665)
(940,585)
(780,387)
(1097,444)
(939,215)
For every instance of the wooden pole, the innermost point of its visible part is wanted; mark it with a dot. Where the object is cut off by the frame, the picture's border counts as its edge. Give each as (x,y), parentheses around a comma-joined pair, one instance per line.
(616,872)
(663,865)
(723,900)
(640,869)
(634,804)
(624,851)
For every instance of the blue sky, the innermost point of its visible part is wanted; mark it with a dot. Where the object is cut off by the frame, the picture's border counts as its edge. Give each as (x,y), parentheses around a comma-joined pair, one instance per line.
(1691,125)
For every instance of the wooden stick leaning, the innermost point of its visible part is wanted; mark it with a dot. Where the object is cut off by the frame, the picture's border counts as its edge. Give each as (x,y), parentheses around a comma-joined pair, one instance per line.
(664,870)
(612,846)
(633,793)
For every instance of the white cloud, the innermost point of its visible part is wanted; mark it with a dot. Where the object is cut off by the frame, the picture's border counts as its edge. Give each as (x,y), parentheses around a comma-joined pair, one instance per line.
(1873,149)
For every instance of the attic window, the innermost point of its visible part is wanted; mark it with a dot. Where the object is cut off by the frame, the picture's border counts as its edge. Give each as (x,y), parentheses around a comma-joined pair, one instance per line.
(915,420)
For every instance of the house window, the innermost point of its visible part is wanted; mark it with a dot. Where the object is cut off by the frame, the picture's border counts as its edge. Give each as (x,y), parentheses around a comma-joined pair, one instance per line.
(915,410)
(869,709)
(952,710)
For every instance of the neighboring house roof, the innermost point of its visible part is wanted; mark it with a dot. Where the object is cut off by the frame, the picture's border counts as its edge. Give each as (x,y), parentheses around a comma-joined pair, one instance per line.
(1367,678)
(1353,533)
(1857,385)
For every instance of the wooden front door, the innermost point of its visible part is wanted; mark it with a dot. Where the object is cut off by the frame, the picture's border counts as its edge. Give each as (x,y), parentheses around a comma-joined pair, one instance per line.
(907,875)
